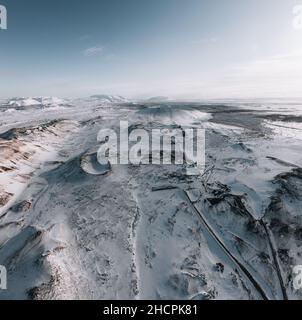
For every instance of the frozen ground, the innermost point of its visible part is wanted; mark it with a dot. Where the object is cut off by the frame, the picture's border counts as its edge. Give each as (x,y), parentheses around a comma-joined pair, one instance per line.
(71,228)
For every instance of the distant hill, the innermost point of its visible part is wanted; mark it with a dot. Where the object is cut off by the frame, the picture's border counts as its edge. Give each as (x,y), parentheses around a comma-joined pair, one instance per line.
(104,98)
(157,99)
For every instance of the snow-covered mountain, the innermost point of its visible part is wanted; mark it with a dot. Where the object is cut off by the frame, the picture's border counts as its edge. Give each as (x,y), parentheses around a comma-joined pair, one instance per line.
(23,102)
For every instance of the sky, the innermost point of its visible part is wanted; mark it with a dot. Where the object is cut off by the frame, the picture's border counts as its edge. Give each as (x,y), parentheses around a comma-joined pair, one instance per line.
(184,49)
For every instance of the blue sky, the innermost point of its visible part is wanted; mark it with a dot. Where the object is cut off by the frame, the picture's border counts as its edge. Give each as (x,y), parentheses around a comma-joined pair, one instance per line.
(138,48)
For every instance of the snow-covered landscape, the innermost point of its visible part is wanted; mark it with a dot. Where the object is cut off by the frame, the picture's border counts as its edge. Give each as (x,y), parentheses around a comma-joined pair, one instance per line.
(71,228)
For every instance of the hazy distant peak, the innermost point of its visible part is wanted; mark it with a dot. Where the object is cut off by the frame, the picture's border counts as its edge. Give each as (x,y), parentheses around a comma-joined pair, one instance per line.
(158,99)
(109,98)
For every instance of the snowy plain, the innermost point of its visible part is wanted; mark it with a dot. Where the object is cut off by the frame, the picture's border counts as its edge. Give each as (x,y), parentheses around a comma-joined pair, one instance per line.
(72,229)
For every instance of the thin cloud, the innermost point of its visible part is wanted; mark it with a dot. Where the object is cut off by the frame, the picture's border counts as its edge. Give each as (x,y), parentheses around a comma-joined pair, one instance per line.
(275,76)
(93,51)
